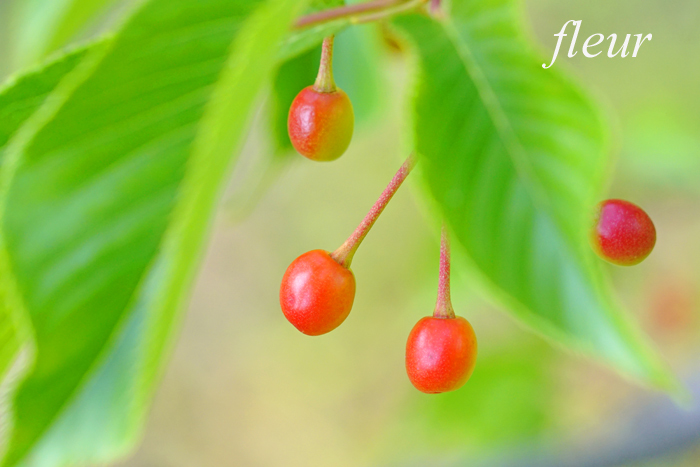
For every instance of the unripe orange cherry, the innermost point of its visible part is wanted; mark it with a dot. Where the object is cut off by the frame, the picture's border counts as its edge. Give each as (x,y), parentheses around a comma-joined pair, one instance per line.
(440,354)
(321,124)
(321,119)
(317,293)
(623,233)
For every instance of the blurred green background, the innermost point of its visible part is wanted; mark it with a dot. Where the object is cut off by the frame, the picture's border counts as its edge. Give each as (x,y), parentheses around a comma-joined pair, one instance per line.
(244,388)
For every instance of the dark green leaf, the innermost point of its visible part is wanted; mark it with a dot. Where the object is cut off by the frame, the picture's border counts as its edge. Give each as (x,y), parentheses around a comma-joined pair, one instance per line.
(21,97)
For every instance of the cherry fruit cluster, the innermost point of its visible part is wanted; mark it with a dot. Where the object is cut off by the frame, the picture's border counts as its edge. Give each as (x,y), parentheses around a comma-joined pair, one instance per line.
(318,288)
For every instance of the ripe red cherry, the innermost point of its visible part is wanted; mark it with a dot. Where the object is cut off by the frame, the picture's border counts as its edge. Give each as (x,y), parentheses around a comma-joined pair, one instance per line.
(318,288)
(321,123)
(440,354)
(623,233)
(317,293)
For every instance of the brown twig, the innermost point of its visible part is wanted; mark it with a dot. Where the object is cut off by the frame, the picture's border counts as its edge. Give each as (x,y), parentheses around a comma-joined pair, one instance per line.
(347,11)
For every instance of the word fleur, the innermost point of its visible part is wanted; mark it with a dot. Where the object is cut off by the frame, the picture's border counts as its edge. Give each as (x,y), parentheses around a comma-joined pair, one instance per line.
(590,44)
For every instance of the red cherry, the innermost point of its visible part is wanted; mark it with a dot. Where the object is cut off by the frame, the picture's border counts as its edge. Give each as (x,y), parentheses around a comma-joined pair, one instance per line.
(321,123)
(623,233)
(440,354)
(317,293)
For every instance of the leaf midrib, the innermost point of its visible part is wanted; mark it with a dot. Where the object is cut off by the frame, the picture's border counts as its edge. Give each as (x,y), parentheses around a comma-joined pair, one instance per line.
(499,118)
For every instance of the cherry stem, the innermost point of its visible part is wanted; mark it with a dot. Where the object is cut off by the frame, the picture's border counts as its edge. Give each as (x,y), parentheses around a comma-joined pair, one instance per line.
(378,8)
(345,253)
(443,307)
(324,80)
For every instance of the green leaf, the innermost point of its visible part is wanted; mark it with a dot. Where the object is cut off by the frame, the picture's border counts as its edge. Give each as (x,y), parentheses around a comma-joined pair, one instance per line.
(43,26)
(515,157)
(112,188)
(19,99)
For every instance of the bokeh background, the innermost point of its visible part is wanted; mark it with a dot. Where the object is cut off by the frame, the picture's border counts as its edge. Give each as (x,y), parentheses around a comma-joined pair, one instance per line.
(244,388)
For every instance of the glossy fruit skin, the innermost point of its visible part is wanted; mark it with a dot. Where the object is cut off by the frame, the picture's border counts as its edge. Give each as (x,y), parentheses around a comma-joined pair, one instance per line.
(321,124)
(317,293)
(440,354)
(623,233)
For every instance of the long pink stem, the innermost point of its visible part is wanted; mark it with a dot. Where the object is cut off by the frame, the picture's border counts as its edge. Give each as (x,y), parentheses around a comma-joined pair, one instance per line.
(443,307)
(344,254)
(324,80)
